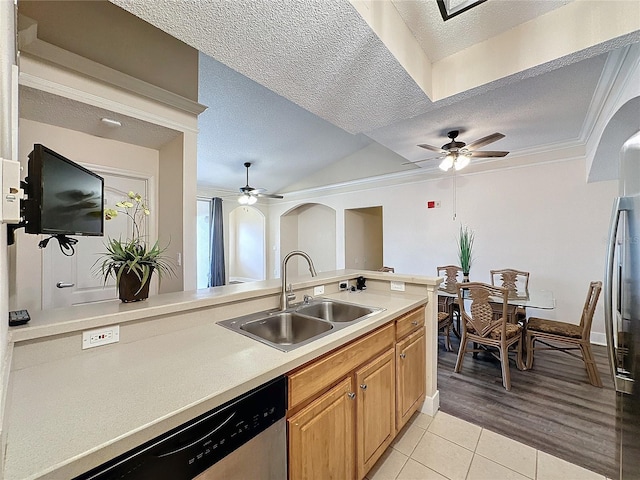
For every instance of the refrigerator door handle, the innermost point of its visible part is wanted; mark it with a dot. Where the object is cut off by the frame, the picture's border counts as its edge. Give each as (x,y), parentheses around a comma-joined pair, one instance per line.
(622,383)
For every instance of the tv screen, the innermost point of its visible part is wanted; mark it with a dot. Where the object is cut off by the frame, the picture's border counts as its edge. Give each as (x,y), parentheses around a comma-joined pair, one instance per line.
(64,198)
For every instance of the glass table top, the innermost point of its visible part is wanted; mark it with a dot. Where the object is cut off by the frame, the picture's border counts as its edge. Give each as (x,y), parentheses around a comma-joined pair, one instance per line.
(542,299)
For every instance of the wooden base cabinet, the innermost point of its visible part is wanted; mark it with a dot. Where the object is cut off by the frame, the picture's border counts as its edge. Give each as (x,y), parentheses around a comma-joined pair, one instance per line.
(321,436)
(345,407)
(375,422)
(411,376)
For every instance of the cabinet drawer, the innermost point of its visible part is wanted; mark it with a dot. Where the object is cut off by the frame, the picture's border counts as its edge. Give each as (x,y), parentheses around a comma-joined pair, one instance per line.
(311,379)
(409,322)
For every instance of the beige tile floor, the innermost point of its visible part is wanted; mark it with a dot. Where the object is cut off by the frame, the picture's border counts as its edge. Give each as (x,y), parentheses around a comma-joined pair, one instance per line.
(445,447)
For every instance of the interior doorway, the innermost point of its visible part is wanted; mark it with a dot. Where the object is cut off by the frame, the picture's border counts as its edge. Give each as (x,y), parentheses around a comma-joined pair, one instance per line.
(363,233)
(247,245)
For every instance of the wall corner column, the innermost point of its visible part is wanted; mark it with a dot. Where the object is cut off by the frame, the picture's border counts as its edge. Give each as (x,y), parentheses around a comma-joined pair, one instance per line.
(432,395)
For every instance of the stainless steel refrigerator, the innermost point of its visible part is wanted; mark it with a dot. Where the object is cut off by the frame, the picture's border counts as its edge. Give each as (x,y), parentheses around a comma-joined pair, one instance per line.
(622,309)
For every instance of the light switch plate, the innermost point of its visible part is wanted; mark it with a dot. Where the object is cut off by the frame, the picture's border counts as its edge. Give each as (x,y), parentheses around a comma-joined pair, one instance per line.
(397,286)
(319,290)
(11,192)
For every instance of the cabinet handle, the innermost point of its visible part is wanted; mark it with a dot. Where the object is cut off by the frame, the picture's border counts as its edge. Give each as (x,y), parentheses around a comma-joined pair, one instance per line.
(403,355)
(351,395)
(414,323)
(363,386)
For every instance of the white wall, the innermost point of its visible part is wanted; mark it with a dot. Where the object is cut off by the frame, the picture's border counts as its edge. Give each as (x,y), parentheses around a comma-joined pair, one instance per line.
(171,221)
(544,219)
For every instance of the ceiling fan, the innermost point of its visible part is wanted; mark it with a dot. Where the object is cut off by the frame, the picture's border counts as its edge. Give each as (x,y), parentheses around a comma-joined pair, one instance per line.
(249,195)
(459,154)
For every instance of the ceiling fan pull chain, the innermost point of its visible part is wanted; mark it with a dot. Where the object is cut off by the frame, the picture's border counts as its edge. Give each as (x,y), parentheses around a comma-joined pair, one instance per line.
(454,195)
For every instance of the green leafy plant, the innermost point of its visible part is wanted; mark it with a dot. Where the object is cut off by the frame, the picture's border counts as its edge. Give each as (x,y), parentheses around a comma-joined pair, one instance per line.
(133,254)
(465,248)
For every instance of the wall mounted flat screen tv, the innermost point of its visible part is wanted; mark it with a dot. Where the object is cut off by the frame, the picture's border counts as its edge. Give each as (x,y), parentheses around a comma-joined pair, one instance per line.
(64,198)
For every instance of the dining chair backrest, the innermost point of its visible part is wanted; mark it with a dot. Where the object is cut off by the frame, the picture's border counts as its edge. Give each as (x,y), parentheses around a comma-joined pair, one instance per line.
(589,308)
(387,269)
(516,281)
(450,274)
(481,317)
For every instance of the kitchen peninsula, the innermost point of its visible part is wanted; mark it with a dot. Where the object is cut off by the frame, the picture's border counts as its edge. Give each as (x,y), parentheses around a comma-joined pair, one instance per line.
(69,409)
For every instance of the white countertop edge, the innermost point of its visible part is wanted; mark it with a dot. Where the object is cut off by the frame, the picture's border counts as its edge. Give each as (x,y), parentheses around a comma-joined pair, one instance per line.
(59,321)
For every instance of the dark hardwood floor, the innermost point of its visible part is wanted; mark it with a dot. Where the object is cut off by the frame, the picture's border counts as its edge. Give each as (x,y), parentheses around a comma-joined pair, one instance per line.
(551,407)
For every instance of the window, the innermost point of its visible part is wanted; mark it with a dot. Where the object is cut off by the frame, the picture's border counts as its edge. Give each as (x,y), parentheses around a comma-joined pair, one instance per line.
(203,243)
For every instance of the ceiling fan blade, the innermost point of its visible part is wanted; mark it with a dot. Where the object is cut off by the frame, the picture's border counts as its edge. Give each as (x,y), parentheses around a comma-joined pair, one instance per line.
(488,154)
(481,142)
(432,148)
(267,195)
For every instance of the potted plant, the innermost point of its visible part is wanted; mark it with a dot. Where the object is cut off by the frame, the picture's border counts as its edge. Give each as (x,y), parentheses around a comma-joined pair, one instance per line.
(465,247)
(131,262)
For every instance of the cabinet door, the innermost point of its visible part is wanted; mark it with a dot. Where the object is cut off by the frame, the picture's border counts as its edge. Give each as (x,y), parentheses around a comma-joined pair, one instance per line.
(375,415)
(411,375)
(321,436)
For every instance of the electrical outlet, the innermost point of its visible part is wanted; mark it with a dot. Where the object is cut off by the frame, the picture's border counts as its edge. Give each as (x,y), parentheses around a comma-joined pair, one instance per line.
(319,290)
(343,285)
(100,336)
(397,286)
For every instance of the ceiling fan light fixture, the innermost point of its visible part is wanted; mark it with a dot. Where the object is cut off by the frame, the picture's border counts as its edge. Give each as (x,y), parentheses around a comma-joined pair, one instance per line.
(246,199)
(447,163)
(461,162)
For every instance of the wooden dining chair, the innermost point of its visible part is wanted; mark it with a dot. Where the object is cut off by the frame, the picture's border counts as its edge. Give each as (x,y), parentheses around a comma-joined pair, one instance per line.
(445,320)
(451,274)
(567,336)
(517,282)
(484,327)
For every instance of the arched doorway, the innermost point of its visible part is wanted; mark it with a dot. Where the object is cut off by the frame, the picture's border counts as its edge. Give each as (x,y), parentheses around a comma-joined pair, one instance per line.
(310,227)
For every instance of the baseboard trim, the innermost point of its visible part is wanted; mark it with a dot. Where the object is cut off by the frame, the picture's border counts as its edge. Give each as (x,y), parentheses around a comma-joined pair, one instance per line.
(598,338)
(431,404)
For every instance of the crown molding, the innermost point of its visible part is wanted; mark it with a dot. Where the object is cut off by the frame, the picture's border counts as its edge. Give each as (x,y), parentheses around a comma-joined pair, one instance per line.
(608,85)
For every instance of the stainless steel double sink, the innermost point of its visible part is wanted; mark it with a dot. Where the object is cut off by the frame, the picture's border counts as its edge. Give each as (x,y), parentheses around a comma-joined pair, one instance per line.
(300,325)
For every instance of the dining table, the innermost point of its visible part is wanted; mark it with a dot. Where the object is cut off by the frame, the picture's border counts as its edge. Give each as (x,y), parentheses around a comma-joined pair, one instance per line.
(532,298)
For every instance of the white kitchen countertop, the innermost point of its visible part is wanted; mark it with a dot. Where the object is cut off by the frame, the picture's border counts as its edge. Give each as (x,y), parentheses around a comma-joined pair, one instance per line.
(71,414)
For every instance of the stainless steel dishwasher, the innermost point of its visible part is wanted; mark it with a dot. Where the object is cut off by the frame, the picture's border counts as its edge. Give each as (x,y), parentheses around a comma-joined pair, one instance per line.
(240,440)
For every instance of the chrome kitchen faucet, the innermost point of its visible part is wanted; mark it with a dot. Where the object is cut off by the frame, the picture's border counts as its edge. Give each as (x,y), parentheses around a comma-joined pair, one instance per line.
(285,297)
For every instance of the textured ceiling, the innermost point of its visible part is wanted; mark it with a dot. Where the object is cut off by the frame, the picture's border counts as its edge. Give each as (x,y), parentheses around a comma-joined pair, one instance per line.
(319,54)
(246,122)
(542,110)
(298,86)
